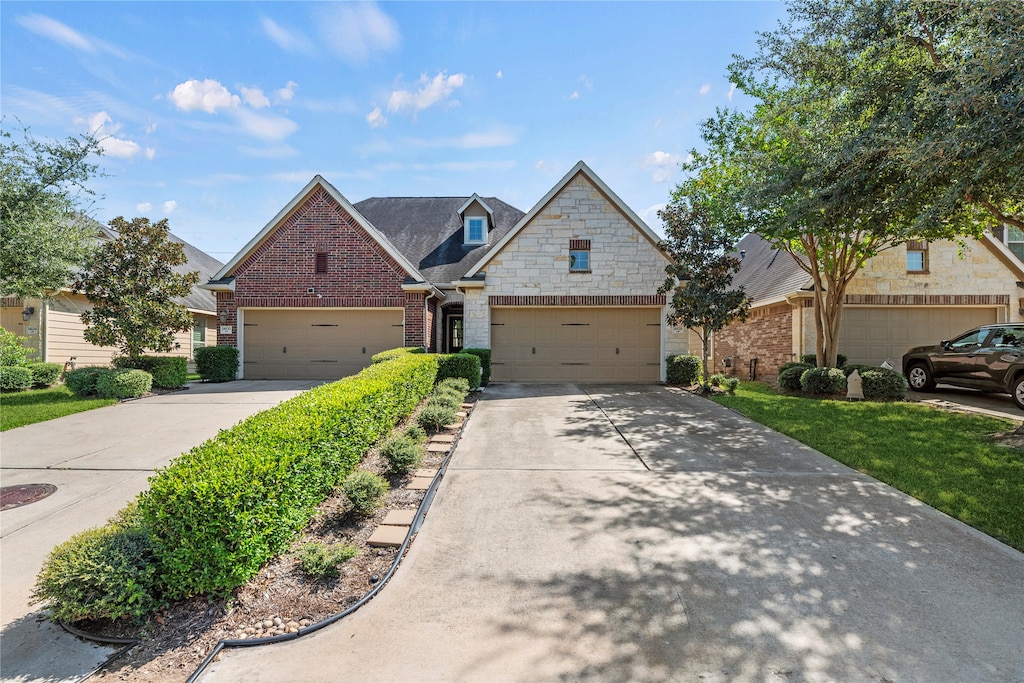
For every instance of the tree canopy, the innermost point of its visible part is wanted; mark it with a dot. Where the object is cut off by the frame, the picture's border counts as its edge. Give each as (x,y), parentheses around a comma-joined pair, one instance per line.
(875,123)
(44,234)
(131,282)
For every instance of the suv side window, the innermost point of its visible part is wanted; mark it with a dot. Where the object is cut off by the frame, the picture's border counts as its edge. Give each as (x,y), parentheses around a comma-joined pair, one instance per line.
(1007,337)
(971,340)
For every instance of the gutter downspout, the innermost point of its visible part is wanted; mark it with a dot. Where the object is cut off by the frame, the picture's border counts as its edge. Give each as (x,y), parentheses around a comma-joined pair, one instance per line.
(426,310)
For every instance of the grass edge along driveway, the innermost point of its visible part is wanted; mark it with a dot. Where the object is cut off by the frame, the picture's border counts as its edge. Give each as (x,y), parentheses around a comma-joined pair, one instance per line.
(18,409)
(945,459)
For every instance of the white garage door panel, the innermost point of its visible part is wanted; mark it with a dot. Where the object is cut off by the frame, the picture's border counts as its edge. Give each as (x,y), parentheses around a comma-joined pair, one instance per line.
(575,344)
(872,335)
(316,344)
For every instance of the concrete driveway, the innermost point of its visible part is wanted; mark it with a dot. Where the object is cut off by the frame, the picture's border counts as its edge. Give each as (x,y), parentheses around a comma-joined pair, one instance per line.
(99,461)
(644,534)
(971,400)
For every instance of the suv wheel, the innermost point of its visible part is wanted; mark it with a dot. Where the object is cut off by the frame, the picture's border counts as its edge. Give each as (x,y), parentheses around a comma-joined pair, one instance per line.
(1017,391)
(919,377)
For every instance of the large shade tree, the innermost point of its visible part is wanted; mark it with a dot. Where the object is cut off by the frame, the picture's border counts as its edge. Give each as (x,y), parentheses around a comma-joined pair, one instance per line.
(132,282)
(852,146)
(44,234)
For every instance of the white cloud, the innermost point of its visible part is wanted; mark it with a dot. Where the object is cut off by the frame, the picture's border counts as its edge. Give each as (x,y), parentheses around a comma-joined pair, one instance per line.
(287,40)
(66,36)
(376,119)
(286,93)
(705,89)
(575,95)
(663,165)
(266,126)
(732,89)
(545,167)
(277,151)
(150,153)
(499,75)
(587,81)
(150,129)
(357,31)
(169,206)
(431,92)
(103,127)
(254,97)
(207,95)
(144,207)
(497,137)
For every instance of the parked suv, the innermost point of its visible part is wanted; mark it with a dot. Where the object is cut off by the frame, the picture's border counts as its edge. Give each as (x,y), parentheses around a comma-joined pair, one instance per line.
(990,358)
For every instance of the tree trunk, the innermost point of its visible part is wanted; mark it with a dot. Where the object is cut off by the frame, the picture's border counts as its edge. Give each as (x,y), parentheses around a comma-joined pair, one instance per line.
(705,343)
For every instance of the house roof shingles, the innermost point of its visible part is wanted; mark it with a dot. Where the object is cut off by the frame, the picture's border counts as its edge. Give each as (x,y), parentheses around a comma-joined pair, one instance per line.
(766,272)
(429,231)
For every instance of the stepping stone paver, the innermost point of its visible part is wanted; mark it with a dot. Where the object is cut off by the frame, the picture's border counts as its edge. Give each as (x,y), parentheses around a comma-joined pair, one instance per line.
(467,406)
(442,438)
(387,536)
(420,483)
(400,518)
(438,447)
(425,472)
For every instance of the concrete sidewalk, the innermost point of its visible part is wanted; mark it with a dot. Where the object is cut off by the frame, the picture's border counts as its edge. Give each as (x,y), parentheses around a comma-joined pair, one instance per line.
(99,460)
(645,534)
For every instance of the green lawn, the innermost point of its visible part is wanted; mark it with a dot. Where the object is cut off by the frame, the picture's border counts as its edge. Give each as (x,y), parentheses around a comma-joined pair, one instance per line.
(945,459)
(39,405)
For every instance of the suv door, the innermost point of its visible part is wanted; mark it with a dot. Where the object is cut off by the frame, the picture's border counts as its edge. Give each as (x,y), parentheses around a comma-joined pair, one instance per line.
(1003,347)
(959,359)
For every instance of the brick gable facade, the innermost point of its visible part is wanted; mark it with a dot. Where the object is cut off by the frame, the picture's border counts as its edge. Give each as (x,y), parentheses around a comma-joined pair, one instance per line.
(280,272)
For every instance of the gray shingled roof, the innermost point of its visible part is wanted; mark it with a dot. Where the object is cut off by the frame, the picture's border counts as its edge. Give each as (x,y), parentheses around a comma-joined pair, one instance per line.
(428,231)
(767,272)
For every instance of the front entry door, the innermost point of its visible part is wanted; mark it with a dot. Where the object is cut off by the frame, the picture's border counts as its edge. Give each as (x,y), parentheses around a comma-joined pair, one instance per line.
(454,337)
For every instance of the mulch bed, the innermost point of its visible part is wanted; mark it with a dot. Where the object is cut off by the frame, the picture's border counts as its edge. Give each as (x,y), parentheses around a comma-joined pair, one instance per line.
(175,641)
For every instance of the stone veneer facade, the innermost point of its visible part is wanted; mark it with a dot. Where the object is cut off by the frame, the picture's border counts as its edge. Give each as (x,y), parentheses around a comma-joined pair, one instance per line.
(626,269)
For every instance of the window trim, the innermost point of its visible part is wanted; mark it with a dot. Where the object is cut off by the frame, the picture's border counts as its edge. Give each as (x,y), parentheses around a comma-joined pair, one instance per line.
(917,247)
(468,237)
(572,264)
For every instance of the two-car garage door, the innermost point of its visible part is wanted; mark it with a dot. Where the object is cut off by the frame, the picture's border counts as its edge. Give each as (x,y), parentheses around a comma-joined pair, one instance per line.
(871,335)
(585,344)
(316,343)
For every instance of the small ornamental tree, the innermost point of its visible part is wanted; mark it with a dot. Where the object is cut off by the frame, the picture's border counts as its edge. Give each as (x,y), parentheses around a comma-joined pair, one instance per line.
(701,231)
(132,283)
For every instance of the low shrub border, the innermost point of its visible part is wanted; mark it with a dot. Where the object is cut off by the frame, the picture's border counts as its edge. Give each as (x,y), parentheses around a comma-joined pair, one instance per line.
(485,363)
(464,365)
(682,370)
(227,506)
(217,363)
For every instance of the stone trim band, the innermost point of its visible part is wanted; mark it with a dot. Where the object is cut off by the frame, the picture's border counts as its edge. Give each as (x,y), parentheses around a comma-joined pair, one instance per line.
(583,300)
(927,299)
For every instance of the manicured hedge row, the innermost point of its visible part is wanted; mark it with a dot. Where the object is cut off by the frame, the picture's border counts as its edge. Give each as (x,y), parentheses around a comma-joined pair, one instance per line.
(485,363)
(464,365)
(15,378)
(682,370)
(226,507)
(169,372)
(394,353)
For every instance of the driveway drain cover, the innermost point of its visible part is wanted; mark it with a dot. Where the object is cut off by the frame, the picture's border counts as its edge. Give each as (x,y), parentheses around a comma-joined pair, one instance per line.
(16,496)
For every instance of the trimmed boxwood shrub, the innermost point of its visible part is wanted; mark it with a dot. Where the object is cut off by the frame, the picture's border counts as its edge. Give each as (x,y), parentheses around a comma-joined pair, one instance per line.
(402,454)
(15,378)
(45,374)
(82,381)
(217,363)
(812,359)
(394,353)
(169,372)
(823,381)
(731,384)
(459,384)
(103,573)
(485,364)
(849,368)
(463,365)
(682,370)
(222,510)
(415,433)
(789,377)
(365,490)
(794,364)
(124,383)
(321,561)
(882,383)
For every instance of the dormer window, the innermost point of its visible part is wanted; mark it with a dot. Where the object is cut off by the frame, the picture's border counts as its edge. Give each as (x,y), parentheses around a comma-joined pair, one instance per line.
(477,220)
(474,230)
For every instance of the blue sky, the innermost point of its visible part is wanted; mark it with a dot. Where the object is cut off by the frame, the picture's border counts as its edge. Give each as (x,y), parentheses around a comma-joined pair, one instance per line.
(215,114)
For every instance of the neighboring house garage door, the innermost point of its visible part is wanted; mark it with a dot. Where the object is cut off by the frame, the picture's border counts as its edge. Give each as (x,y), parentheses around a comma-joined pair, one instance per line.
(872,335)
(575,344)
(316,343)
